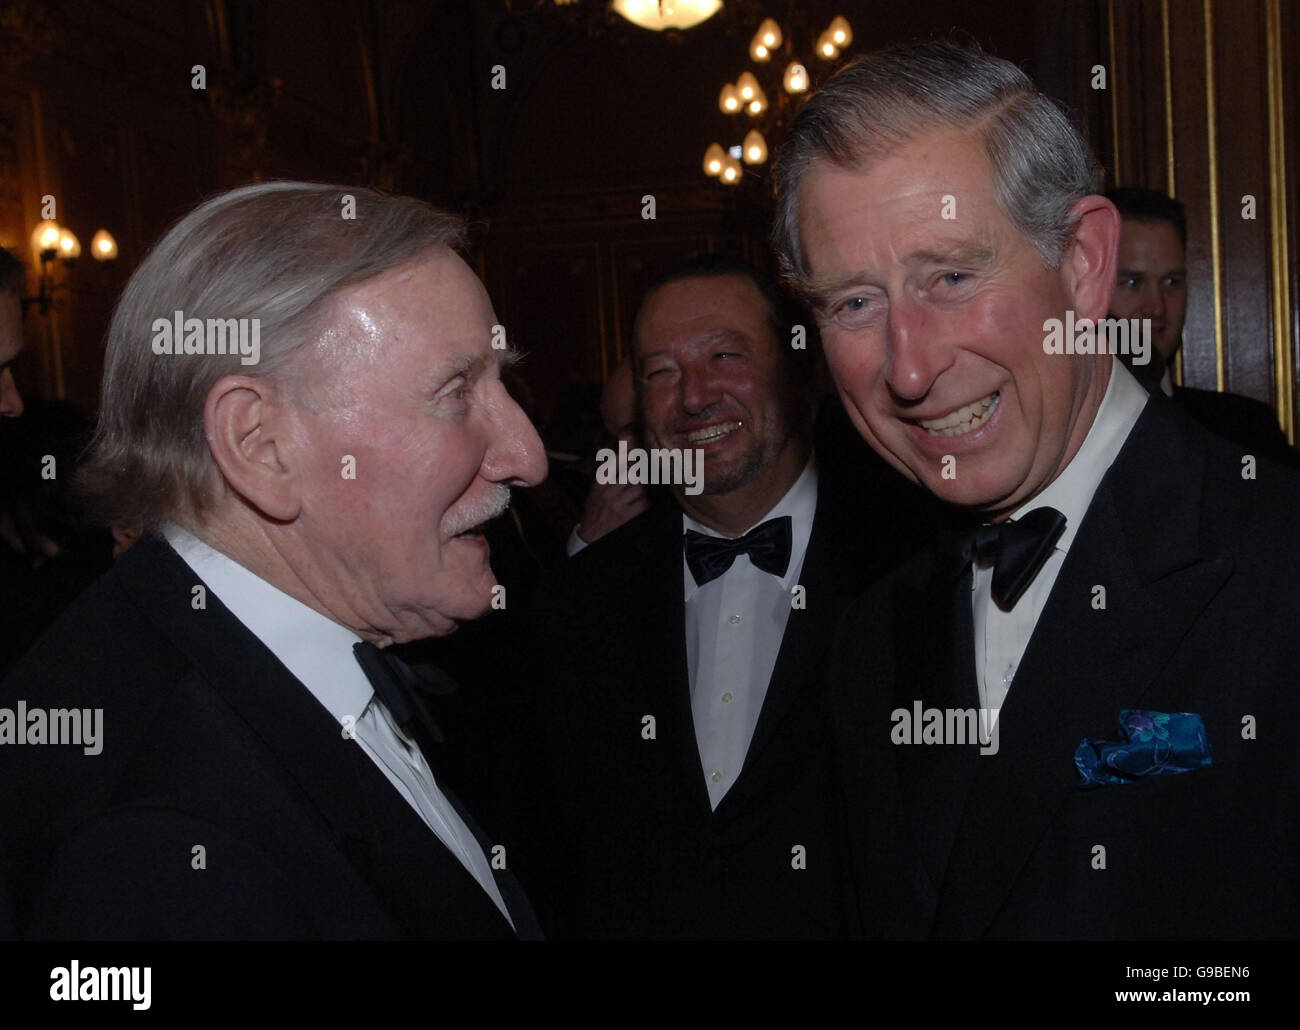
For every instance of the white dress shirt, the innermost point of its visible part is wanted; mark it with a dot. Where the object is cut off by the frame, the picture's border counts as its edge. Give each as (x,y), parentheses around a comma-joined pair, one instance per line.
(1001,637)
(734,626)
(318,652)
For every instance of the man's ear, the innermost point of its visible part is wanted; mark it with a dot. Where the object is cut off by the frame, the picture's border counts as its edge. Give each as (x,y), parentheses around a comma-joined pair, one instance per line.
(1090,260)
(250,435)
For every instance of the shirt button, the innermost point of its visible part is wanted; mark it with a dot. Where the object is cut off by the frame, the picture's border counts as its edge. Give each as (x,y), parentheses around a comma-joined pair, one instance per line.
(735,620)
(726,698)
(717,776)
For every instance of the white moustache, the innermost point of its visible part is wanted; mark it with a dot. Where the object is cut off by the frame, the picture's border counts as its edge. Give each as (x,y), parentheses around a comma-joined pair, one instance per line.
(483,510)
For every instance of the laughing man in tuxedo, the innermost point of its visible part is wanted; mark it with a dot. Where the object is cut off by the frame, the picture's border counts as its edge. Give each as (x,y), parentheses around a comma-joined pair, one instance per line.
(1138,673)
(267,769)
(681,655)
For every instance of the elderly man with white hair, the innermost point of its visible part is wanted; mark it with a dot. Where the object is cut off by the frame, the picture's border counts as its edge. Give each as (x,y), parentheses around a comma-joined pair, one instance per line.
(250,761)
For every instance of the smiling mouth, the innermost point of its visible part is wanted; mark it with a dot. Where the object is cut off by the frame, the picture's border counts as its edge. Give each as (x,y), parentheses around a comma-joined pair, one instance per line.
(964,420)
(710,433)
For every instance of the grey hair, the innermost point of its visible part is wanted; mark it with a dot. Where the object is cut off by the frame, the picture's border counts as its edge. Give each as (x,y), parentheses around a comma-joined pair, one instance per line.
(274,251)
(1041,164)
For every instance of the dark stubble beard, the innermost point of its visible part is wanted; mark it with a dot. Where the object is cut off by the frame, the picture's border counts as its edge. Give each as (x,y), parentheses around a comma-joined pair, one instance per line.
(757,462)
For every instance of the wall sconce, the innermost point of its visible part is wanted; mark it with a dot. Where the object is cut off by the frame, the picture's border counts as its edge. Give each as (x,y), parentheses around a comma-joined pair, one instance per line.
(51,242)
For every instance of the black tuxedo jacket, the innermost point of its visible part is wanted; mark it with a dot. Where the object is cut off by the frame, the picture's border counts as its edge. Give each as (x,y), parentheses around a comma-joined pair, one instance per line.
(1199,569)
(626,844)
(1241,420)
(209,743)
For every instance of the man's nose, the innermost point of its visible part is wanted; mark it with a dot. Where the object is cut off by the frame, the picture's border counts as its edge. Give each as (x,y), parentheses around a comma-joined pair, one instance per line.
(914,358)
(1151,302)
(698,389)
(515,455)
(11,401)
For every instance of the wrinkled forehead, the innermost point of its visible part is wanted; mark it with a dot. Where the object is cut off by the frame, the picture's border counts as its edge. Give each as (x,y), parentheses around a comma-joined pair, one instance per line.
(1153,241)
(700,311)
(434,300)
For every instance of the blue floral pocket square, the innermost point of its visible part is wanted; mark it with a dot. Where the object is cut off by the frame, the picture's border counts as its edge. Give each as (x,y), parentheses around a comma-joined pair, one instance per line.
(1150,744)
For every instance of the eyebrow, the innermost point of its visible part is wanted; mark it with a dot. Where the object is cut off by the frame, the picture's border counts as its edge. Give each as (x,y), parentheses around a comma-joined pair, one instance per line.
(469,365)
(707,340)
(816,289)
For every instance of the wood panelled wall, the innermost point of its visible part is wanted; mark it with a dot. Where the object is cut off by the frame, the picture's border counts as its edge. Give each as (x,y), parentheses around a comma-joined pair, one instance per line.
(96,108)
(1202,101)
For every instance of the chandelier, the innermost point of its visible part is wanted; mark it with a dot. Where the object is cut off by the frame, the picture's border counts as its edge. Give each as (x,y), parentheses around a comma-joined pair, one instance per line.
(659,15)
(769,111)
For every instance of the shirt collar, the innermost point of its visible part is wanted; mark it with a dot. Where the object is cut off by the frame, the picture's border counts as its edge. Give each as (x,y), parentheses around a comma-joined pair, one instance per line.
(799,502)
(1071,492)
(315,649)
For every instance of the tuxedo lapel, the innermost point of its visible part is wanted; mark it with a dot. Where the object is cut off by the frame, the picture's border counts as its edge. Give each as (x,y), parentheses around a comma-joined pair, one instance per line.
(933,645)
(521,911)
(830,575)
(1139,542)
(407,868)
(656,621)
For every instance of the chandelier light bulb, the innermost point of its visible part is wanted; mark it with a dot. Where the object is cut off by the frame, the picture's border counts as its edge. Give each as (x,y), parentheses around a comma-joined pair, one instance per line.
(69,245)
(658,15)
(45,237)
(103,247)
(714,158)
(770,33)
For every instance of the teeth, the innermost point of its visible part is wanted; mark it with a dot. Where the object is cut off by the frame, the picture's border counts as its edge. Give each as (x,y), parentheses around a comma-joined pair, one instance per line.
(713,432)
(963,420)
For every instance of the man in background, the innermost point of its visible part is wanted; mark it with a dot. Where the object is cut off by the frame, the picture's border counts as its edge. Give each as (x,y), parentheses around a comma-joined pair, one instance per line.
(609,505)
(678,661)
(1151,283)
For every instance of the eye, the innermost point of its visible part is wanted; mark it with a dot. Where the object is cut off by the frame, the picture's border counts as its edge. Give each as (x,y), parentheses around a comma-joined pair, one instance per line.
(1173,281)
(855,312)
(953,278)
(851,310)
(455,389)
(1129,282)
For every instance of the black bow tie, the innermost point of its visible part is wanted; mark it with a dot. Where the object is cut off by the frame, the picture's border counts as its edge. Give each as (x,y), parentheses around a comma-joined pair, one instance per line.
(1017,548)
(403,687)
(768,547)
